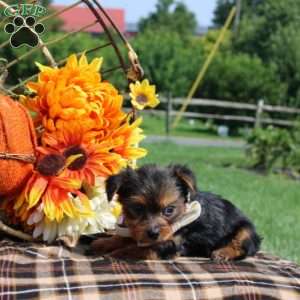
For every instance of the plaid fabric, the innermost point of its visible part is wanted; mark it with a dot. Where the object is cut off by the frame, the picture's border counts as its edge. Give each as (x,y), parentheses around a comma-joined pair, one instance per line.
(30,271)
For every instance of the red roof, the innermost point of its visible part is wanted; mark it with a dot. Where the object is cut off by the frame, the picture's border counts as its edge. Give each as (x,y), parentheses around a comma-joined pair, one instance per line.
(80,16)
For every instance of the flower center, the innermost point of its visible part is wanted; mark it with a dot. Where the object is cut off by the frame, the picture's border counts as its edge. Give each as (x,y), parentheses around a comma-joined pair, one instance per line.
(80,161)
(51,164)
(141,99)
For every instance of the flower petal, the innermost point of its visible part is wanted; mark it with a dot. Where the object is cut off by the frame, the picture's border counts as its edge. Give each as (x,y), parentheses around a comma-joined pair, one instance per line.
(37,190)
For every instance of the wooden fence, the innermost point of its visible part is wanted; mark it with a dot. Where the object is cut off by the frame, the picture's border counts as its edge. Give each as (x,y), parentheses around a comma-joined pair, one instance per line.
(258,110)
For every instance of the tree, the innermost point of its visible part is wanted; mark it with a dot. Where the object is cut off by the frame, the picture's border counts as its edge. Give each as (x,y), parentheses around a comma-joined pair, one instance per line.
(169,61)
(270,30)
(171,15)
(224,7)
(259,25)
(222,11)
(241,77)
(284,51)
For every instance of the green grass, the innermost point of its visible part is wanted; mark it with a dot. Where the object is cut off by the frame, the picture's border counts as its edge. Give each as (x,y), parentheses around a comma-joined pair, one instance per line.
(155,125)
(272,202)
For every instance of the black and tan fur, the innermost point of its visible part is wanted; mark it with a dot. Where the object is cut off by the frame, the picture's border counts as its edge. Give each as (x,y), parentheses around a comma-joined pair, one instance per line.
(153,198)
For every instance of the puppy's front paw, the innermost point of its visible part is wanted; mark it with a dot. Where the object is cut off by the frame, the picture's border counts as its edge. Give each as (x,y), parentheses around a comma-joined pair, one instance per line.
(134,253)
(223,254)
(166,250)
(103,246)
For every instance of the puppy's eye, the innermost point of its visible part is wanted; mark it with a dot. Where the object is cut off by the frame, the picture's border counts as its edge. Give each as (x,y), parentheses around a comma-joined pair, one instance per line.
(169,211)
(137,209)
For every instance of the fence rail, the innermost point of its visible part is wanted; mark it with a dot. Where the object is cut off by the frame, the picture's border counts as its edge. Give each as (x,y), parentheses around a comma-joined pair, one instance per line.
(258,109)
(234,105)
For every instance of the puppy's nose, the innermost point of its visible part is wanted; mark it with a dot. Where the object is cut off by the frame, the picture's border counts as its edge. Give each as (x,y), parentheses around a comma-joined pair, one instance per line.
(153,233)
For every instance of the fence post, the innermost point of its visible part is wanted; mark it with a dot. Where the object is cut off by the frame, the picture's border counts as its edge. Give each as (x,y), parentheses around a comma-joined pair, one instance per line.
(259,112)
(168,113)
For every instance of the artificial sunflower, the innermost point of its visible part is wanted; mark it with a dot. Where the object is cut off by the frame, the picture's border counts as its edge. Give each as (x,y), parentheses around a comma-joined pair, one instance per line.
(103,217)
(129,137)
(93,159)
(52,196)
(143,94)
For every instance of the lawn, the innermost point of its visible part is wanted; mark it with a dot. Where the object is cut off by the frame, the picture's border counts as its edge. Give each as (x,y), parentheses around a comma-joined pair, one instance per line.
(155,125)
(272,202)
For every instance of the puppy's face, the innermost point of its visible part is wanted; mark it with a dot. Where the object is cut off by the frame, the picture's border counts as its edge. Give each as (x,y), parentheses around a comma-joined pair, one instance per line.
(153,198)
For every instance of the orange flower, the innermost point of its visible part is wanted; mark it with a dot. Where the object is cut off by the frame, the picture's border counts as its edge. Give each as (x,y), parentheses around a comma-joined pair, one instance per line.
(70,93)
(53,194)
(129,137)
(94,159)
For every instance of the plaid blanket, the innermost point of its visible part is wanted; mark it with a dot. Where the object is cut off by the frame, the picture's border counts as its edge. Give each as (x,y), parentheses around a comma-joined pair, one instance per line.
(29,271)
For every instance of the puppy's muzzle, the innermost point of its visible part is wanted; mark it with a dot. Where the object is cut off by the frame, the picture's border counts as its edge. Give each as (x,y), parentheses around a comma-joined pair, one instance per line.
(153,233)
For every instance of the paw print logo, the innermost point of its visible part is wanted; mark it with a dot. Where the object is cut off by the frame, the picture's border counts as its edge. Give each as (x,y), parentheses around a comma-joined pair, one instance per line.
(24,31)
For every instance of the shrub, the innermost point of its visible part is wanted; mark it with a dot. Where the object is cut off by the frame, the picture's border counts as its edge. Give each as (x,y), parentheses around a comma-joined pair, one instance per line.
(272,147)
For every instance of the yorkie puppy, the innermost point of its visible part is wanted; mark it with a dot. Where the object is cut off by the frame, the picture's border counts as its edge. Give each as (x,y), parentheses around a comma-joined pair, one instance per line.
(155,201)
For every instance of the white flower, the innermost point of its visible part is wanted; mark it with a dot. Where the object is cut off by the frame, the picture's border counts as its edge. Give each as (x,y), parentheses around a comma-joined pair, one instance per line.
(102,219)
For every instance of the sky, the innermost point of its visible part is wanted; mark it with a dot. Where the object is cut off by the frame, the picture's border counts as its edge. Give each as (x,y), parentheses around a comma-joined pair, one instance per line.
(135,9)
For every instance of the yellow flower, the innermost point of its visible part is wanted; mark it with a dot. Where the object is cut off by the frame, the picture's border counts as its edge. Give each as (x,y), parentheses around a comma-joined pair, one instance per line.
(143,95)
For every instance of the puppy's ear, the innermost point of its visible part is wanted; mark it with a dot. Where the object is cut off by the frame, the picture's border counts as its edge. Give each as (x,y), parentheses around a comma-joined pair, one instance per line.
(185,179)
(115,182)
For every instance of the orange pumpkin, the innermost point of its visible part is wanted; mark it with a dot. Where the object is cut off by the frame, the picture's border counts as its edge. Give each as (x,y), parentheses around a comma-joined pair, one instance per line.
(17,146)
